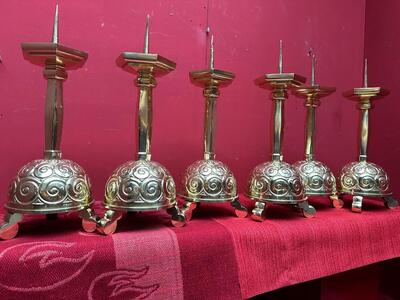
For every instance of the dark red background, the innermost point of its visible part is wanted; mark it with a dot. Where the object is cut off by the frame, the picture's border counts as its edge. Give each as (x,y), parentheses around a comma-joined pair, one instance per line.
(100,99)
(382,45)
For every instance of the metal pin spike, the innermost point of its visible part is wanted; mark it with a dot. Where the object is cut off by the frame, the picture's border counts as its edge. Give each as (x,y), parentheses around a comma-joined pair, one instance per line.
(212,52)
(55,26)
(146,35)
(313,60)
(280,57)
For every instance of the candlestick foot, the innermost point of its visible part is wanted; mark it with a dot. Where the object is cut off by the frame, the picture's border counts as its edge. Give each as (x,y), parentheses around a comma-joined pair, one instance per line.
(390,202)
(9,232)
(336,201)
(89,220)
(240,209)
(9,229)
(177,217)
(307,210)
(258,212)
(188,209)
(356,206)
(108,224)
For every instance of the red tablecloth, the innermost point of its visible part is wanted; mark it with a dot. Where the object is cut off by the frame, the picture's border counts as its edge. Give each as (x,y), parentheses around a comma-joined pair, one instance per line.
(216,256)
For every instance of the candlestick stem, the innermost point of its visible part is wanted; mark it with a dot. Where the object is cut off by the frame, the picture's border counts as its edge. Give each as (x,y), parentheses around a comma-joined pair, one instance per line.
(146,82)
(310,133)
(279,95)
(53,112)
(364,135)
(211,94)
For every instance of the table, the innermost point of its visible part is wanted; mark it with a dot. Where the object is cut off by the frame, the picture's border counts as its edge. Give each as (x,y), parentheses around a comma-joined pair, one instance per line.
(216,256)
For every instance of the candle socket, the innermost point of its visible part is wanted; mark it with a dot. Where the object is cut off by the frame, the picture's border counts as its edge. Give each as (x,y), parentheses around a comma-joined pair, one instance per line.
(317,178)
(276,181)
(51,185)
(362,178)
(209,180)
(142,184)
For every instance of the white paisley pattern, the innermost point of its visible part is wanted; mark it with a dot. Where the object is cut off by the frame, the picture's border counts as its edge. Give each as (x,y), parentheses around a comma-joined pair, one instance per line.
(49,185)
(40,264)
(140,185)
(122,284)
(209,180)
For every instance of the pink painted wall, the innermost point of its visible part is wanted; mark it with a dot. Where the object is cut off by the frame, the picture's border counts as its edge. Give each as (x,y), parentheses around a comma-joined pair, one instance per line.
(100,99)
(382,47)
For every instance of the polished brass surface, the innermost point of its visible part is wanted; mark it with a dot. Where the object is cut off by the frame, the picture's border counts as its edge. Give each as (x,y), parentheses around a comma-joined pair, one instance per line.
(141,185)
(317,178)
(210,180)
(51,185)
(47,186)
(277,181)
(365,179)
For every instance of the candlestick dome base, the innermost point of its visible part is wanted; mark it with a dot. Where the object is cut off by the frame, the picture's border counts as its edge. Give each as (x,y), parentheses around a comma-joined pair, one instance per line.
(139,186)
(210,181)
(318,180)
(365,179)
(279,183)
(48,186)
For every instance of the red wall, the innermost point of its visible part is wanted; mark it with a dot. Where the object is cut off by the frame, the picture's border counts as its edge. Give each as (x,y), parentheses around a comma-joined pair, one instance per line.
(100,99)
(383,50)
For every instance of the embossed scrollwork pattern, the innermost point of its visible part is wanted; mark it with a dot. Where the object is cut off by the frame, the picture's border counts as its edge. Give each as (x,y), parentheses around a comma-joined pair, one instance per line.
(141,183)
(209,180)
(275,181)
(316,177)
(364,178)
(49,184)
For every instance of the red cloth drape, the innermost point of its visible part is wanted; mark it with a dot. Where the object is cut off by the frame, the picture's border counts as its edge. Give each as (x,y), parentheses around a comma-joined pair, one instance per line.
(216,256)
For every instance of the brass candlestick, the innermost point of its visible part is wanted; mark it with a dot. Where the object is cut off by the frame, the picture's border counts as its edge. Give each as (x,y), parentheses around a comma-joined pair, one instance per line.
(51,185)
(209,180)
(365,179)
(141,185)
(277,181)
(317,178)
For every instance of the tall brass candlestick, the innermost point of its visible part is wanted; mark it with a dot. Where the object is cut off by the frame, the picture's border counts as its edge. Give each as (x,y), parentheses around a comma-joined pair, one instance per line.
(209,180)
(51,185)
(141,185)
(277,181)
(316,177)
(362,178)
